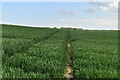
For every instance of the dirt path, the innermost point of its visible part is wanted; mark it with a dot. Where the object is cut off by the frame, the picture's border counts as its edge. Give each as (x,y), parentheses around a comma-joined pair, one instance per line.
(69,70)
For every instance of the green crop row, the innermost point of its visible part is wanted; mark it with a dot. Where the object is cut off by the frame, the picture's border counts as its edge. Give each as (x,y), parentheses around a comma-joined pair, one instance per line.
(95,55)
(42,52)
(21,32)
(12,46)
(24,38)
(46,59)
(12,72)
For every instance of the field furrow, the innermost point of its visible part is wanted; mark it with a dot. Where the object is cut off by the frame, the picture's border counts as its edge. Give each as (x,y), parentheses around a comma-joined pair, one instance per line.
(69,67)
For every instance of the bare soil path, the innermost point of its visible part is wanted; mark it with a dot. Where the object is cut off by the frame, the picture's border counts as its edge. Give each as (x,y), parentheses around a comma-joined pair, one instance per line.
(69,70)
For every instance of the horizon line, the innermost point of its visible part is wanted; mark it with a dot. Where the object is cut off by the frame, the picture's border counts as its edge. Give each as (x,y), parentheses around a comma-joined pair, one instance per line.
(55,26)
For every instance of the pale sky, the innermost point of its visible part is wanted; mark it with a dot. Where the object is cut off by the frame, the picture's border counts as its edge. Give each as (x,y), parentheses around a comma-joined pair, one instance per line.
(86,15)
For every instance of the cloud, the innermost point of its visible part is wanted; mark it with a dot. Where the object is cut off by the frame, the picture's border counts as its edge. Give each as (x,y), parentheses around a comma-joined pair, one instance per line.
(98,3)
(89,10)
(113,6)
(90,23)
(106,22)
(107,6)
(66,12)
(104,8)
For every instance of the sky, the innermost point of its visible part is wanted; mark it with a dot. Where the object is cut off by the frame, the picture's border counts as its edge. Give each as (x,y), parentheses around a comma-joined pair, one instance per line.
(86,15)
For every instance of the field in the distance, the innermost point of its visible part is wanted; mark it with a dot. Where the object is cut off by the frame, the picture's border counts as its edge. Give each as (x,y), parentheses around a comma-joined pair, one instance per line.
(42,52)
